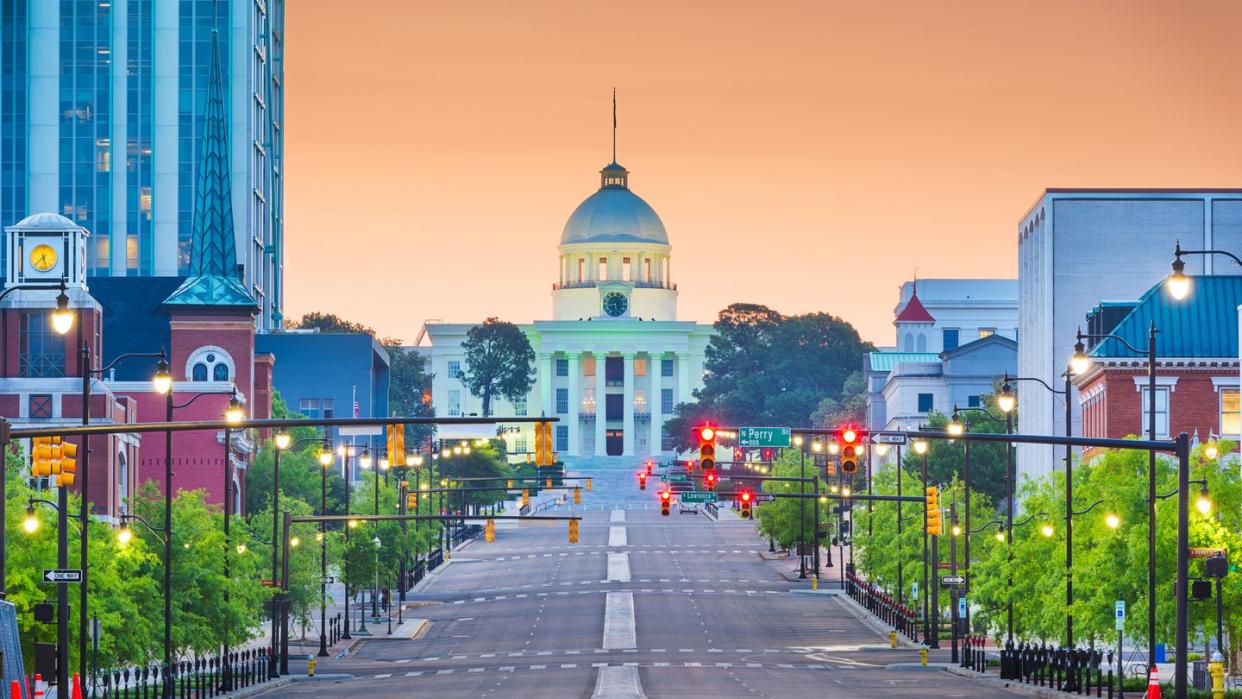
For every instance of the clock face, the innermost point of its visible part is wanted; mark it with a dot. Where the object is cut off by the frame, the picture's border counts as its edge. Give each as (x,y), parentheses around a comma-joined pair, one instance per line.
(615,304)
(43,257)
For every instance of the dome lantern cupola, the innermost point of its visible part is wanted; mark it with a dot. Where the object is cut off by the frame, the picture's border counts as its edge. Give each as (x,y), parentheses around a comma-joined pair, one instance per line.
(614,176)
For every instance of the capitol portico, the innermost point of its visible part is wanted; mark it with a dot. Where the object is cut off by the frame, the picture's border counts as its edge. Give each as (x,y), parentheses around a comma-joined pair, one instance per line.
(614,359)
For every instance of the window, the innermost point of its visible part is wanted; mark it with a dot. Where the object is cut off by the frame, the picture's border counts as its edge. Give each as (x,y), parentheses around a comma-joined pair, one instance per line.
(640,366)
(454,403)
(220,372)
(972,401)
(640,400)
(454,369)
(603,268)
(210,364)
(200,372)
(310,407)
(926,404)
(327,407)
(986,332)
(666,367)
(666,401)
(588,401)
(562,367)
(519,407)
(625,268)
(581,269)
(1230,411)
(519,443)
(562,401)
(41,405)
(951,338)
(562,437)
(588,365)
(666,440)
(42,351)
(1162,412)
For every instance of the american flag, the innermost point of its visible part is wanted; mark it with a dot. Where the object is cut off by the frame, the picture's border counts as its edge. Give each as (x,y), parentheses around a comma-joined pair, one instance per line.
(357,410)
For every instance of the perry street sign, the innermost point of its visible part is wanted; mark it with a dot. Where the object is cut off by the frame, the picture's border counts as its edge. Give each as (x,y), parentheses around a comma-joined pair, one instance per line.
(763,437)
(698,496)
(62,575)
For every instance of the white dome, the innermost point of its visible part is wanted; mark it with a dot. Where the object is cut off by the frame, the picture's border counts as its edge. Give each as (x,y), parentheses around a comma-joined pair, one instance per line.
(46,221)
(614,214)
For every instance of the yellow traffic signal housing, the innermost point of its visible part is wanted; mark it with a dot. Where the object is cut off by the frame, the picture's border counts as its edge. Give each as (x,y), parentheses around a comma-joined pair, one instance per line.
(707,447)
(396,445)
(525,497)
(573,531)
(509,484)
(42,455)
(577,495)
(65,463)
(549,485)
(830,468)
(543,444)
(411,501)
(489,531)
(935,526)
(588,485)
(849,459)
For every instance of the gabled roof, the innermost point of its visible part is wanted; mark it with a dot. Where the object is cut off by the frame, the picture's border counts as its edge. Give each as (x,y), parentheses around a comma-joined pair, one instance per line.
(885,361)
(993,339)
(914,312)
(1203,325)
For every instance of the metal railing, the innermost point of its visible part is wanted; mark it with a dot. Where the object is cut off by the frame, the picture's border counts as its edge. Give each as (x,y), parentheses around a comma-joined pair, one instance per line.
(1070,670)
(191,679)
(902,618)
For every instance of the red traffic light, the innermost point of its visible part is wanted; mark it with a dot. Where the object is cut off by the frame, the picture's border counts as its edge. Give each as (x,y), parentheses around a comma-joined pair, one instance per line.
(745,496)
(849,435)
(707,433)
(711,477)
(642,476)
(665,495)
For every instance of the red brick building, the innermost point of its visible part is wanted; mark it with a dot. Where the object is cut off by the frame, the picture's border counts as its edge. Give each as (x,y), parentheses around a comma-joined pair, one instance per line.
(1197,367)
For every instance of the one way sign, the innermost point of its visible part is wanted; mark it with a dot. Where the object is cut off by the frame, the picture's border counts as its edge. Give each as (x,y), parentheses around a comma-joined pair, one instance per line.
(62,575)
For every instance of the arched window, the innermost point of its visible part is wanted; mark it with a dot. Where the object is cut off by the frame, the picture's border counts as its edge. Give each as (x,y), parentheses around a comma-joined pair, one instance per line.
(210,363)
(922,342)
(909,344)
(122,481)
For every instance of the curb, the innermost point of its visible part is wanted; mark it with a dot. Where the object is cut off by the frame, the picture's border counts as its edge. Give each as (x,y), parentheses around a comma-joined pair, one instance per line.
(260,689)
(876,625)
(421,629)
(993,681)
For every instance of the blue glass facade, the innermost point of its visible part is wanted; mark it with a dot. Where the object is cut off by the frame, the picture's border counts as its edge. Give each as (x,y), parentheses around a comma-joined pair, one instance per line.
(85,121)
(14,14)
(139,134)
(198,19)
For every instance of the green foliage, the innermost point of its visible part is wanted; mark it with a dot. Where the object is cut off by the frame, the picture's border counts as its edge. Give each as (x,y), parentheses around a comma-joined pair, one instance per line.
(945,459)
(499,362)
(301,475)
(786,520)
(764,368)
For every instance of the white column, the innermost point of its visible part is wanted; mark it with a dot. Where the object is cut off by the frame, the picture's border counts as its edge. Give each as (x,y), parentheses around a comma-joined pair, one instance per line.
(654,403)
(627,406)
(683,377)
(546,408)
(43,108)
(164,158)
(575,404)
(601,404)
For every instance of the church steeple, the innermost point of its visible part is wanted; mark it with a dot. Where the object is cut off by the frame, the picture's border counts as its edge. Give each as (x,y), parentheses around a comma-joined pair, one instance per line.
(213,250)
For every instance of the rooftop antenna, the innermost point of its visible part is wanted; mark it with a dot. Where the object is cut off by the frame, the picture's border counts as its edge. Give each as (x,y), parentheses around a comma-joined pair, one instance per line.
(614,124)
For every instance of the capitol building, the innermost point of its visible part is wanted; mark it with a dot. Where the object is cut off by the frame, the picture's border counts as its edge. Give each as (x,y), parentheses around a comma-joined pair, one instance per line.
(613,359)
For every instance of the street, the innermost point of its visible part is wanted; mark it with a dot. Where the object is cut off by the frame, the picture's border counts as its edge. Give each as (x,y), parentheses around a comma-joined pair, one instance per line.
(686,603)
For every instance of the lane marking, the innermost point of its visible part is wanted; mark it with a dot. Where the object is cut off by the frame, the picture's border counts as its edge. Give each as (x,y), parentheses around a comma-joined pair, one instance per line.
(617,516)
(618,567)
(618,683)
(619,630)
(617,536)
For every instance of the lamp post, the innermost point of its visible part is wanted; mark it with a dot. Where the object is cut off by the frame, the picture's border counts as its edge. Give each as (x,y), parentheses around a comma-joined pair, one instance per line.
(233,415)
(325,461)
(920,448)
(802,515)
(1079,363)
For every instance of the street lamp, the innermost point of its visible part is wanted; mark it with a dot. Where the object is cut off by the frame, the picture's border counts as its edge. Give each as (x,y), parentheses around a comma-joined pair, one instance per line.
(1112,520)
(162,381)
(920,447)
(124,535)
(1211,450)
(1047,530)
(62,317)
(1204,503)
(282,440)
(1079,362)
(235,413)
(364,461)
(1006,400)
(1177,282)
(325,455)
(31,522)
(955,427)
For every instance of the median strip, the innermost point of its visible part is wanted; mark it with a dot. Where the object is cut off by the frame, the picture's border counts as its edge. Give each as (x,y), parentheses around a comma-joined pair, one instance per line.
(619,631)
(617,536)
(617,516)
(619,567)
(618,683)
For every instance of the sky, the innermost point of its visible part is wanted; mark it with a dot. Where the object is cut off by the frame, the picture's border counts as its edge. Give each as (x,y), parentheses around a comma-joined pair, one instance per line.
(806,155)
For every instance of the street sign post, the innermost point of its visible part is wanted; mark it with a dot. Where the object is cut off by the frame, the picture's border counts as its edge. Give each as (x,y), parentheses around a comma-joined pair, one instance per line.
(763,437)
(1119,614)
(698,496)
(961,607)
(914,591)
(62,575)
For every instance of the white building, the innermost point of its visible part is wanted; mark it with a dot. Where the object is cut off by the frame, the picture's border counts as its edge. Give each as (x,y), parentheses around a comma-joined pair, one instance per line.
(1079,247)
(954,337)
(613,360)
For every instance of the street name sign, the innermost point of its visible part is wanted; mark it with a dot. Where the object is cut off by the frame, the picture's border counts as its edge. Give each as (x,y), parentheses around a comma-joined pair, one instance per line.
(1119,613)
(360,430)
(764,497)
(1205,551)
(890,439)
(698,496)
(952,580)
(62,575)
(763,437)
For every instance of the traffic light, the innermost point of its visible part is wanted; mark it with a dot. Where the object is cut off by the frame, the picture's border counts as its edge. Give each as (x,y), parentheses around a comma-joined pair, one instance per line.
(747,498)
(642,481)
(543,444)
(525,497)
(66,457)
(396,444)
(709,480)
(849,439)
(766,454)
(666,500)
(650,466)
(411,501)
(573,531)
(707,447)
(577,495)
(935,526)
(489,531)
(42,452)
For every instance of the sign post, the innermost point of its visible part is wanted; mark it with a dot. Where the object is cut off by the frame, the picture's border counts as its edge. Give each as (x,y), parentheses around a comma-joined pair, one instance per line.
(751,437)
(1119,615)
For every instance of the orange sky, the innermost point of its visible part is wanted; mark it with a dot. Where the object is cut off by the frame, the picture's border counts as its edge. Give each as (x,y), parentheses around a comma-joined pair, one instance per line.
(807,155)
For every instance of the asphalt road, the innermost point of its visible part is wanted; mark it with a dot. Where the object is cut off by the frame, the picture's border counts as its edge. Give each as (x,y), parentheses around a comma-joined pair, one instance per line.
(525,617)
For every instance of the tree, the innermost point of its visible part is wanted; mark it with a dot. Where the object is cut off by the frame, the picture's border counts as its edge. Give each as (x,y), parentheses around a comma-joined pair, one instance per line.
(329,323)
(851,408)
(946,459)
(499,361)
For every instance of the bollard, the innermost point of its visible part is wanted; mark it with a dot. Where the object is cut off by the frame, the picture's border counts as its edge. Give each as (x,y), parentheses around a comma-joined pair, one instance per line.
(1216,669)
(310,667)
(923,657)
(814,583)
(892,639)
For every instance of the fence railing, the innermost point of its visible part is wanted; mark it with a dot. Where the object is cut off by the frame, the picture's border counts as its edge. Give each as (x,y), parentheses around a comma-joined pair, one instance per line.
(902,618)
(190,679)
(1071,670)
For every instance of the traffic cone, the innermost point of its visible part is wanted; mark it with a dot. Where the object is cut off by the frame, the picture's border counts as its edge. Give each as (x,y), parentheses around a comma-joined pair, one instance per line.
(77,687)
(15,690)
(38,686)
(1153,684)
